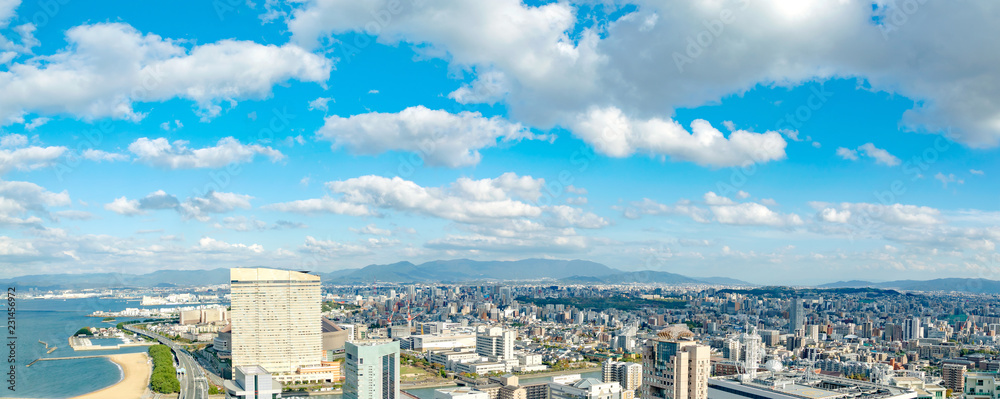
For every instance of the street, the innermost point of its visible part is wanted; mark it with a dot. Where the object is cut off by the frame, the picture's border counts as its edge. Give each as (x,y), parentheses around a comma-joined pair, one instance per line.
(193,382)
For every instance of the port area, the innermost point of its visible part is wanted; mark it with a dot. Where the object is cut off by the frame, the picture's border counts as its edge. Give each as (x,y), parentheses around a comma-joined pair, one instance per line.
(85,344)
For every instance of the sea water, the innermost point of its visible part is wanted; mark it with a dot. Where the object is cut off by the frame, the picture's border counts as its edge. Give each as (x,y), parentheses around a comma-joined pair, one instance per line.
(53,321)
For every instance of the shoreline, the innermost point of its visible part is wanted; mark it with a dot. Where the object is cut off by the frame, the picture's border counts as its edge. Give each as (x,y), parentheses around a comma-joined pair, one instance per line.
(135,373)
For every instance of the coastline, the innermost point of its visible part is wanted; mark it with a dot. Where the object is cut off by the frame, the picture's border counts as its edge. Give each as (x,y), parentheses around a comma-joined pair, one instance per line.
(135,371)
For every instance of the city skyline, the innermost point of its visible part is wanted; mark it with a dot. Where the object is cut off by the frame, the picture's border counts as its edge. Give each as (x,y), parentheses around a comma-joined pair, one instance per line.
(851,141)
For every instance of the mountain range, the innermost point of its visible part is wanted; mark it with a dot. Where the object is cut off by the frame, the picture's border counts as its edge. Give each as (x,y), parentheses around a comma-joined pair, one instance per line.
(465,270)
(456,270)
(971,285)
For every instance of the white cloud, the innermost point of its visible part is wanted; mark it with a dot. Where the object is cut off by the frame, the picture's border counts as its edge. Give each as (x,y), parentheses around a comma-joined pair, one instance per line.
(13,140)
(865,214)
(192,208)
(35,123)
(612,133)
(644,63)
(751,214)
(976,172)
(847,153)
(99,156)
(330,248)
(28,158)
(488,88)
(490,203)
(869,150)
(20,199)
(124,206)
(320,104)
(107,67)
(7,11)
(438,137)
(321,205)
(372,229)
(210,244)
(213,202)
(161,153)
(879,155)
(949,178)
(717,208)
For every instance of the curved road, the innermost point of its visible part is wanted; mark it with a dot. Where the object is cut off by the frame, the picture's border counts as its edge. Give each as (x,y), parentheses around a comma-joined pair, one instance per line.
(193,382)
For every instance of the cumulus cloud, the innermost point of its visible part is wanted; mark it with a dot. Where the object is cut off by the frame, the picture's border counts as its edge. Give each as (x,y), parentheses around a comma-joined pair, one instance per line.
(124,206)
(879,155)
(612,133)
(23,203)
(847,153)
(644,62)
(100,156)
(490,204)
(440,138)
(715,208)
(949,178)
(16,155)
(199,208)
(107,67)
(864,214)
(164,154)
(869,150)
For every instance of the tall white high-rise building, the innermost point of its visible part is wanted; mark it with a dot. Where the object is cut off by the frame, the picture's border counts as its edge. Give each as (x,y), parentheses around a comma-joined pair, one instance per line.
(674,367)
(495,343)
(796,315)
(276,322)
(912,329)
(371,369)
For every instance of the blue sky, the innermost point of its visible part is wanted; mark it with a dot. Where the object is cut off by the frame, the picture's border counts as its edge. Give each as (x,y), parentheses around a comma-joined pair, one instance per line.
(775,141)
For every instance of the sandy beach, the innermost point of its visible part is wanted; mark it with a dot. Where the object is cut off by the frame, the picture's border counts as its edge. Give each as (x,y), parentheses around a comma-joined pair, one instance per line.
(136,369)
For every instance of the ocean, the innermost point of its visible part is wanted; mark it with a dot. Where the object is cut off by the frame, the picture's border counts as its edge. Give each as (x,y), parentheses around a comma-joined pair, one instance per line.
(53,321)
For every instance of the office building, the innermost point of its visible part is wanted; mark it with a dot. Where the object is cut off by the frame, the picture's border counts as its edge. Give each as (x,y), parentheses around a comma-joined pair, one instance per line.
(372,370)
(252,382)
(276,321)
(495,343)
(911,329)
(796,316)
(673,367)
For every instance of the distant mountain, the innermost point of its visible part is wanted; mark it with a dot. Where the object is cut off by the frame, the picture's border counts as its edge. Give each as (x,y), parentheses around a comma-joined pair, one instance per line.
(114,280)
(469,270)
(650,276)
(848,284)
(722,281)
(971,285)
(455,270)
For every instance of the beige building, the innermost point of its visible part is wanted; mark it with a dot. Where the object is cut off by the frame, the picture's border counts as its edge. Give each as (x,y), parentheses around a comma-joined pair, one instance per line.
(276,321)
(674,367)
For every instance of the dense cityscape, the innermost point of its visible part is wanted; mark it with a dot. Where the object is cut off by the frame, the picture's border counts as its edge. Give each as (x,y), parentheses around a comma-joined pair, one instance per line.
(279,333)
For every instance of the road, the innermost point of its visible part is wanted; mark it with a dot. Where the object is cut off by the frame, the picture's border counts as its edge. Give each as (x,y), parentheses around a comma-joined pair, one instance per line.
(193,382)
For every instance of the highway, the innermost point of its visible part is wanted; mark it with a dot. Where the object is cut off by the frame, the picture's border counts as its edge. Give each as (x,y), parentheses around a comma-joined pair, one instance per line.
(193,382)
